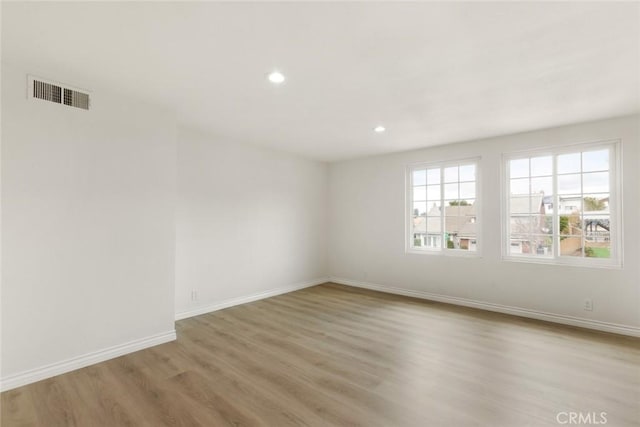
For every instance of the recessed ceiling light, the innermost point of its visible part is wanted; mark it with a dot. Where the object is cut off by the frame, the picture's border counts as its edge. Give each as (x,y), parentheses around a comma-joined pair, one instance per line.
(276,77)
(379,129)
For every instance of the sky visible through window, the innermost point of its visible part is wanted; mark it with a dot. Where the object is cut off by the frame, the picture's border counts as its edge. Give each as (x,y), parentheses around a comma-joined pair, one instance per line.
(560,210)
(559,206)
(567,164)
(443,210)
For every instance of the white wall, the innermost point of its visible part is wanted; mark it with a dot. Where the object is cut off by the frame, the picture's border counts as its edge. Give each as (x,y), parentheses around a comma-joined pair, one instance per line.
(367,226)
(94,237)
(249,221)
(88,225)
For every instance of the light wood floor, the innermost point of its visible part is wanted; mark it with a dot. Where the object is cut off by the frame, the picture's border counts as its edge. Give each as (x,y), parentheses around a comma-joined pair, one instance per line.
(339,356)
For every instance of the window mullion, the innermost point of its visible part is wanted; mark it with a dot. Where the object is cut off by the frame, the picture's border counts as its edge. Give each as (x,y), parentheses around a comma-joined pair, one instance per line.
(530,217)
(613,206)
(442,218)
(555,233)
(582,228)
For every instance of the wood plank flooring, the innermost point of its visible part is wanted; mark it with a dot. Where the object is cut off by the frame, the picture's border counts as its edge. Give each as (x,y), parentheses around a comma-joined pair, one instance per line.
(331,355)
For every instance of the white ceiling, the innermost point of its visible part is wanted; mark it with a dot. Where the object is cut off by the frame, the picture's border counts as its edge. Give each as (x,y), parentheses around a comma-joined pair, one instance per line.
(432,73)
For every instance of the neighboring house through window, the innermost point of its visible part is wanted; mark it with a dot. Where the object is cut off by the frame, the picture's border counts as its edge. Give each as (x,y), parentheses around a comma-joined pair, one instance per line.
(562,205)
(443,214)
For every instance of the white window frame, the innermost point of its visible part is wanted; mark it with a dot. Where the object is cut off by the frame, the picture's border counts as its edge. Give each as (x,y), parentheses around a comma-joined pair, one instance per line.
(615,206)
(409,208)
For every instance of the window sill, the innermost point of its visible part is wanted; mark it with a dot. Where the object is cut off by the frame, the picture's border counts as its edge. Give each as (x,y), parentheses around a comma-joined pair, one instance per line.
(448,252)
(577,262)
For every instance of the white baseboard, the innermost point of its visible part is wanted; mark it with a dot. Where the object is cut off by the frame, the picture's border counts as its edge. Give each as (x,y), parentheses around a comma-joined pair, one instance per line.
(27,377)
(208,308)
(517,311)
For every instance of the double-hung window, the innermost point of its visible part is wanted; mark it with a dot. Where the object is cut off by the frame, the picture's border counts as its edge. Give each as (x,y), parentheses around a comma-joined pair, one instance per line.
(443,214)
(562,206)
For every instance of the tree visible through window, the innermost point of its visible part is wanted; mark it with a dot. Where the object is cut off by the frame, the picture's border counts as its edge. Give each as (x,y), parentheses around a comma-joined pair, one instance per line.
(443,213)
(561,206)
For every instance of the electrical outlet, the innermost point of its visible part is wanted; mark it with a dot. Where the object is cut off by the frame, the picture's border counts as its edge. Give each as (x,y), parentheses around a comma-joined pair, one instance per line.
(588,304)
(194,295)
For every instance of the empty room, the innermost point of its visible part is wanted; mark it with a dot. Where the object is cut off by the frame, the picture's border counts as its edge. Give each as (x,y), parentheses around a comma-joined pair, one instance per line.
(371,214)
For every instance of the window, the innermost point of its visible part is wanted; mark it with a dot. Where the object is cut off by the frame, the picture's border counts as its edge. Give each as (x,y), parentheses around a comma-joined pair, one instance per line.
(443,209)
(562,206)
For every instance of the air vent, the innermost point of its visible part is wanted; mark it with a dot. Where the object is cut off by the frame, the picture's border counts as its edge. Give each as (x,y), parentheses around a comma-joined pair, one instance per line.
(47,91)
(58,93)
(77,99)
